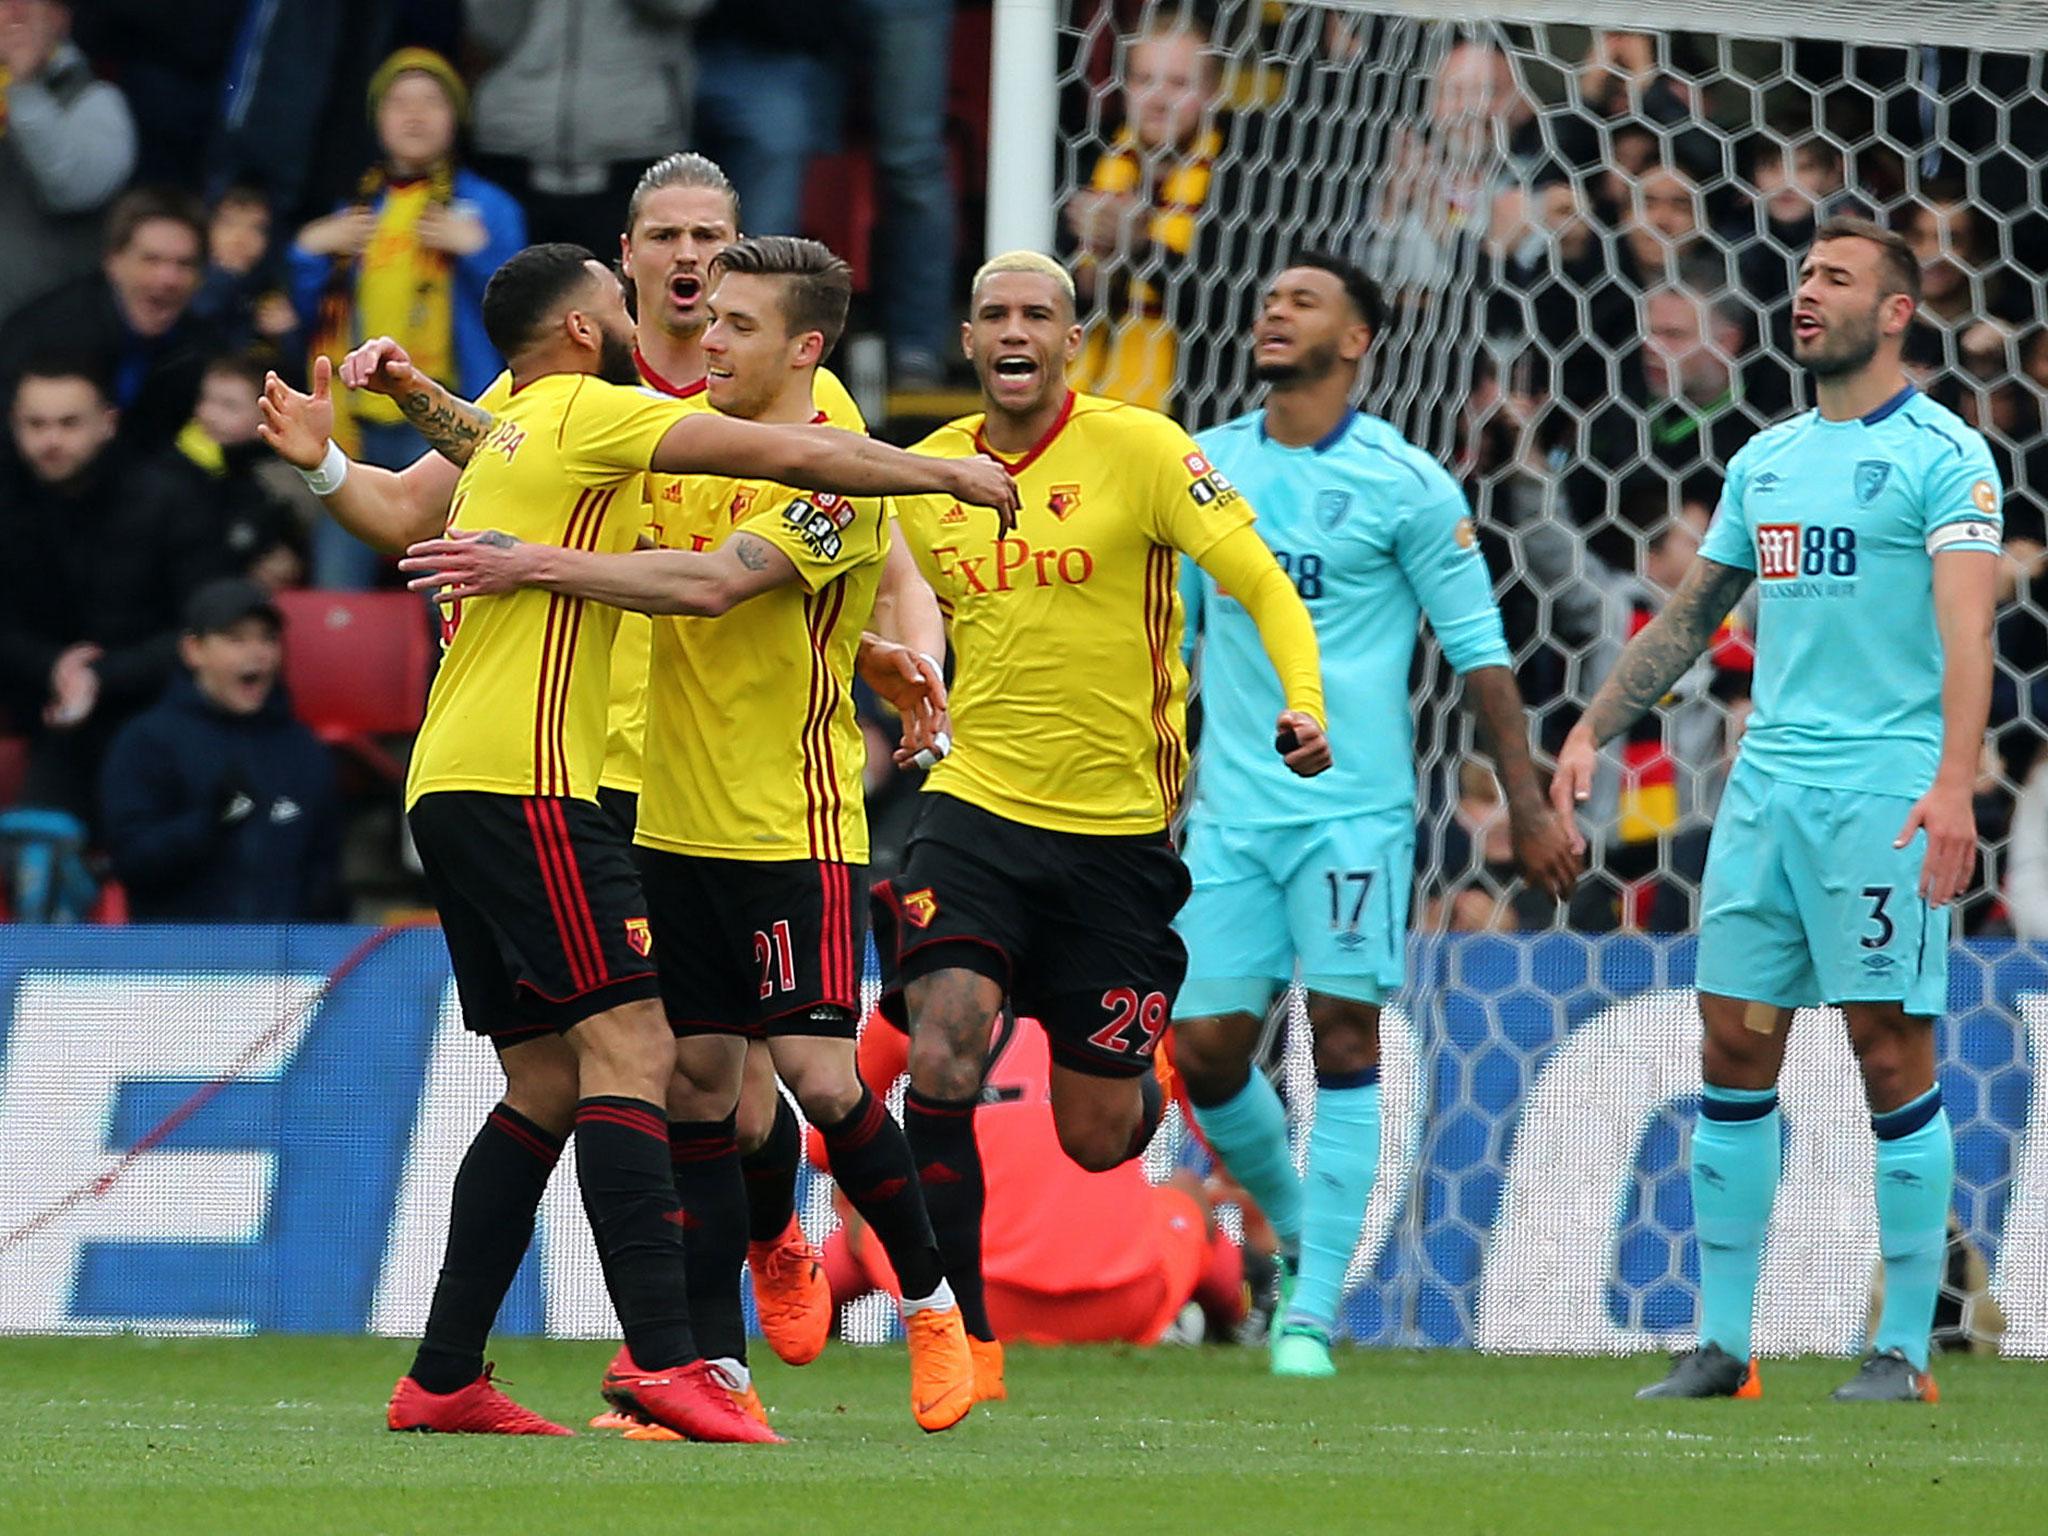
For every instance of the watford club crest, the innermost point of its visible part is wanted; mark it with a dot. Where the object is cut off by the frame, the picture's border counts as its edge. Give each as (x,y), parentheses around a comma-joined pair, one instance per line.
(639,937)
(920,907)
(1064,501)
(742,502)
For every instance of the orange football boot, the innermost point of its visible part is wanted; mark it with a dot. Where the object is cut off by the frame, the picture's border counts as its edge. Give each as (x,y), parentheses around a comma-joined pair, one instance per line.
(790,1295)
(988,1370)
(941,1368)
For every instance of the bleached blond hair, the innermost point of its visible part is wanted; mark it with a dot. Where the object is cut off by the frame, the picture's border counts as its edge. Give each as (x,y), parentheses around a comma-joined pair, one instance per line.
(1025,261)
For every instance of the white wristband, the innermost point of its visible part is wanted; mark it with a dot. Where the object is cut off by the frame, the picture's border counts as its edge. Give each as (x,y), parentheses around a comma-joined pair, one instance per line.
(326,480)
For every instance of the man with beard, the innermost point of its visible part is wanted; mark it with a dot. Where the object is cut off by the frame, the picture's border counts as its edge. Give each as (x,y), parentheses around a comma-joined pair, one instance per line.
(752,841)
(1040,874)
(535,884)
(1871,526)
(1309,879)
(683,212)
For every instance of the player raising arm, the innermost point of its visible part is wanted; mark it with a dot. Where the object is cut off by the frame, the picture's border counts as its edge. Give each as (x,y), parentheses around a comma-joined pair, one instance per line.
(1871,527)
(752,836)
(1040,873)
(1310,877)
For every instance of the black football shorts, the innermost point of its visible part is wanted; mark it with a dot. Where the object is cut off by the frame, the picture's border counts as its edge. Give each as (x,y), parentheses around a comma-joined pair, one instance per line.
(1077,929)
(541,908)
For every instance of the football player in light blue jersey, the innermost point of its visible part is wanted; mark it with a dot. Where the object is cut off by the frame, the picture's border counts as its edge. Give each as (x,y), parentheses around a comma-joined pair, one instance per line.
(1310,878)
(1871,529)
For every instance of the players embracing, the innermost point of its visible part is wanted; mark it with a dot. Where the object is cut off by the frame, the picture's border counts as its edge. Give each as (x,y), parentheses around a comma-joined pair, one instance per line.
(1871,528)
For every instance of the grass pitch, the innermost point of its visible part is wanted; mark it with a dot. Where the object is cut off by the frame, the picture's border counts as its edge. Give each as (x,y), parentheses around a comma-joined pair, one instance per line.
(286,1434)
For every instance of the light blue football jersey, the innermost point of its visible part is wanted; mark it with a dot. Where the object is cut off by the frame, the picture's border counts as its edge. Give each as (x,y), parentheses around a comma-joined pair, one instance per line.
(1373,532)
(1841,521)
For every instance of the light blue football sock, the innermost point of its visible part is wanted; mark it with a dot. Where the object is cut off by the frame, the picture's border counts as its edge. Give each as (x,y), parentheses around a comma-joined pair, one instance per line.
(1343,1156)
(1248,1132)
(1916,1174)
(1736,1155)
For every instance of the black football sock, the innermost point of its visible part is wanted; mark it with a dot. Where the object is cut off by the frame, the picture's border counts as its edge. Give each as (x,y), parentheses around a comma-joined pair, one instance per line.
(872,1162)
(941,1137)
(770,1172)
(622,1165)
(1152,1099)
(490,1222)
(705,1156)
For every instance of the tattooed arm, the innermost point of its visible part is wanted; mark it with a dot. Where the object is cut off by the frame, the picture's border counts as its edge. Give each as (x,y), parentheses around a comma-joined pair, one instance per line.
(464,564)
(451,424)
(1650,663)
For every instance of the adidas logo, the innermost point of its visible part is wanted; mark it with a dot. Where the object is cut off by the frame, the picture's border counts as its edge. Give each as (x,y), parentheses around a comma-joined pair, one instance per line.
(953,516)
(938,1173)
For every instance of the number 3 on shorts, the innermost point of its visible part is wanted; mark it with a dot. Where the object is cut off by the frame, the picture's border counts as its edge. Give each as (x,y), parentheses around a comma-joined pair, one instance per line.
(1877,896)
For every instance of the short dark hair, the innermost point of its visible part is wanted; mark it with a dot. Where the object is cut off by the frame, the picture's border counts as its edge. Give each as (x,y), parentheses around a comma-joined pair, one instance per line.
(1898,272)
(145,205)
(817,286)
(523,292)
(1363,292)
(242,194)
(62,364)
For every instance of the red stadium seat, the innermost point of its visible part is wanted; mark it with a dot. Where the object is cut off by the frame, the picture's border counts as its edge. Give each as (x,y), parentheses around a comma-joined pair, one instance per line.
(13,768)
(358,665)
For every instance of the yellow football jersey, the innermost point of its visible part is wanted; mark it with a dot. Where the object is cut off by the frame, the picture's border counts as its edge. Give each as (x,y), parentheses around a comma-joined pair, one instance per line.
(518,706)
(626,715)
(753,750)
(630,651)
(1069,703)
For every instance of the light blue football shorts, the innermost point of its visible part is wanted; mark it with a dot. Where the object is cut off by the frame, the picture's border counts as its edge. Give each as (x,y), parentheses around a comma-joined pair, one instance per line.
(1325,902)
(1805,900)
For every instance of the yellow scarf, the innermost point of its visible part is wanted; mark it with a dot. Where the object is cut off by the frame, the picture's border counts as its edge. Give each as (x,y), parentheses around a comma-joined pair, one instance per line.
(398,287)
(1131,353)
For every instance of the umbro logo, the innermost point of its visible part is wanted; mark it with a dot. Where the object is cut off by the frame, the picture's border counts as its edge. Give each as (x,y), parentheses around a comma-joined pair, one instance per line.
(284,809)
(1765,483)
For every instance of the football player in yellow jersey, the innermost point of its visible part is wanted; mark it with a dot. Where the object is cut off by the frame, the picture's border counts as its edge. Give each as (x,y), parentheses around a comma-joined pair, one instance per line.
(752,833)
(1040,874)
(540,903)
(682,214)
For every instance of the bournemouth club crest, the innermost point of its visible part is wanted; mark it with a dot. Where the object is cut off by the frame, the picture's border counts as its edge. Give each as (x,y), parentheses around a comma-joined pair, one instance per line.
(1871,476)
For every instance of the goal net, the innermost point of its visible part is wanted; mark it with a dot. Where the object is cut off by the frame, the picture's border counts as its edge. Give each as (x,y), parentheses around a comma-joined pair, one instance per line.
(1585,217)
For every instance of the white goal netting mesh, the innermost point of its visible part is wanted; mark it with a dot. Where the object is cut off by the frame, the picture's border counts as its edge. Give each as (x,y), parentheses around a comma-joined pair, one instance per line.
(1585,218)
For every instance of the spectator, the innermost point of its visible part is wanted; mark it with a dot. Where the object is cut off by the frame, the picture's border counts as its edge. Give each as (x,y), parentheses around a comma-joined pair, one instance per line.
(908,44)
(220,806)
(93,584)
(243,293)
(579,97)
(132,321)
(1661,230)
(221,471)
(764,103)
(67,146)
(775,83)
(1692,418)
(1135,223)
(408,258)
(1960,279)
(1465,174)
(1480,891)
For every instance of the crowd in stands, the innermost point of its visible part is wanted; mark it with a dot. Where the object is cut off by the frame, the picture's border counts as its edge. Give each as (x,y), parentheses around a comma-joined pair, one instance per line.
(1590,271)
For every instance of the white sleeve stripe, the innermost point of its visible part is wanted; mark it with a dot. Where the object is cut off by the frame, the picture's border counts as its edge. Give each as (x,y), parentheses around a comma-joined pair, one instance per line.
(1973,531)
